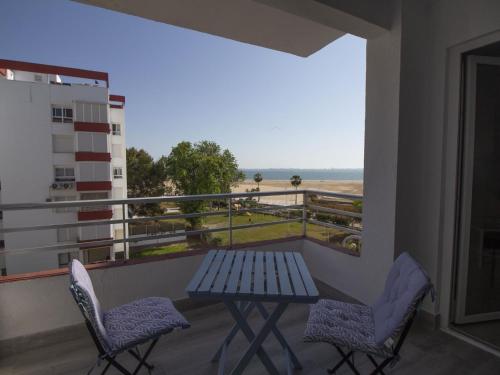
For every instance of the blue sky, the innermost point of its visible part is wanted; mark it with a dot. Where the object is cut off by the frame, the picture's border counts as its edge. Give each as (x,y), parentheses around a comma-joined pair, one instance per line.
(269,108)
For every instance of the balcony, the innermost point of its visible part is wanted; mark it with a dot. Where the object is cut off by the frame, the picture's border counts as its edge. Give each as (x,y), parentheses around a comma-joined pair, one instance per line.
(98,127)
(92,156)
(325,227)
(69,350)
(101,213)
(93,185)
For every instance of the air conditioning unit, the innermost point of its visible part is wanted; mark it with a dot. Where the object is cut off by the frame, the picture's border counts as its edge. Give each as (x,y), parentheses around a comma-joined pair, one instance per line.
(62,185)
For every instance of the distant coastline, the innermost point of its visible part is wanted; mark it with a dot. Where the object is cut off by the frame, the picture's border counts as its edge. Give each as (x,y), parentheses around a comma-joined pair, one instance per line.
(334,174)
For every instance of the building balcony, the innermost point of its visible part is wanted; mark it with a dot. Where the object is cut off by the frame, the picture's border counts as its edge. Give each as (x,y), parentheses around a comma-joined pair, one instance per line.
(69,349)
(92,156)
(324,227)
(116,101)
(95,214)
(98,127)
(93,186)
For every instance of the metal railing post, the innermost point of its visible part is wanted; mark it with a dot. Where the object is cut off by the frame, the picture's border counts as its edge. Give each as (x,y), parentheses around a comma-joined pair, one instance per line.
(230,213)
(304,214)
(124,228)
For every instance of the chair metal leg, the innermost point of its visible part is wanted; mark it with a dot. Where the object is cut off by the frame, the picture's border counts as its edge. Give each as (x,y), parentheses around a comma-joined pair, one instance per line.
(119,367)
(378,367)
(345,359)
(106,368)
(139,358)
(96,364)
(145,357)
(340,363)
(142,361)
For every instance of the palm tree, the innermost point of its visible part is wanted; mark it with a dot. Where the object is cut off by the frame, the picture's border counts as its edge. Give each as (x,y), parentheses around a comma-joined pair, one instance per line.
(258,179)
(295,181)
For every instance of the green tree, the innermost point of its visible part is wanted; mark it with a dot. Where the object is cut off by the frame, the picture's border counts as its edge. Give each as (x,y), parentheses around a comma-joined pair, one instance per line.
(145,178)
(258,179)
(296,180)
(200,168)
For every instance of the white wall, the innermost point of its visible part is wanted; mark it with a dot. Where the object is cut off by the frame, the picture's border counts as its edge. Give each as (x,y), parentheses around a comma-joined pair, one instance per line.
(406,139)
(364,277)
(430,29)
(117,115)
(44,304)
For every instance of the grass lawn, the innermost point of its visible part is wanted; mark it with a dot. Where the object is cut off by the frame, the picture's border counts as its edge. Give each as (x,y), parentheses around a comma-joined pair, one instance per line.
(248,235)
(174,248)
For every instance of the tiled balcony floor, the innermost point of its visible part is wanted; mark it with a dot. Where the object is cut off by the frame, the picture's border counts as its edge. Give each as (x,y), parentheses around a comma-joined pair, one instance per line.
(189,352)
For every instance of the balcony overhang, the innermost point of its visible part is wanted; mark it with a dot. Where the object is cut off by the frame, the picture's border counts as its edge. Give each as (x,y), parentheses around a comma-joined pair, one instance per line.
(299,27)
(246,21)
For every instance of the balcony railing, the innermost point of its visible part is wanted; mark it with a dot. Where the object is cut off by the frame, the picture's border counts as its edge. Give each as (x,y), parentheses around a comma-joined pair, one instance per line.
(335,219)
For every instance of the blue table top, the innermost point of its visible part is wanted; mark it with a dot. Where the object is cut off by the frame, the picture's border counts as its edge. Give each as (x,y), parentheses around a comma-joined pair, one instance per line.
(254,275)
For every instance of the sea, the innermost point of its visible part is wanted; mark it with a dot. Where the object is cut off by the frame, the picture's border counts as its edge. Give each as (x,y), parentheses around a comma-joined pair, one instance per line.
(306,174)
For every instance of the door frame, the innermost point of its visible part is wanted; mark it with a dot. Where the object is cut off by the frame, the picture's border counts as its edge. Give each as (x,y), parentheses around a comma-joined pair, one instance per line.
(451,163)
(466,183)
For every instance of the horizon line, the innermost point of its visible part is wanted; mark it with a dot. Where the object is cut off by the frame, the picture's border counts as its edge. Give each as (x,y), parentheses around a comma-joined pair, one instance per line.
(304,169)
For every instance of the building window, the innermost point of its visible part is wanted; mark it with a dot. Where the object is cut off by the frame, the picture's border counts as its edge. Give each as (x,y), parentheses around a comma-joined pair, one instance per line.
(65,199)
(38,78)
(92,197)
(92,142)
(67,234)
(98,254)
(64,174)
(62,114)
(91,112)
(2,244)
(117,129)
(95,232)
(65,258)
(3,271)
(117,172)
(1,215)
(94,171)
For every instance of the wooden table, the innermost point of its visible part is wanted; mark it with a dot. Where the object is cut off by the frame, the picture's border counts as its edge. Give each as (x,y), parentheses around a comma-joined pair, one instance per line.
(243,280)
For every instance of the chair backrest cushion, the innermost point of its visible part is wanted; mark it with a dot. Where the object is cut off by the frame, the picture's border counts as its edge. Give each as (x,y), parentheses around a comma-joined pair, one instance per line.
(405,287)
(80,280)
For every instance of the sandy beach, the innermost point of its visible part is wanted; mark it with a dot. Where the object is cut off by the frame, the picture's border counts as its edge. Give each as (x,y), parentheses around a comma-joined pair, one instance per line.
(353,187)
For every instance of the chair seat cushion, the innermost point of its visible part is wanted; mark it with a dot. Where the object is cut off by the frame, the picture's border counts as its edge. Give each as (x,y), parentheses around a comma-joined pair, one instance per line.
(343,324)
(139,321)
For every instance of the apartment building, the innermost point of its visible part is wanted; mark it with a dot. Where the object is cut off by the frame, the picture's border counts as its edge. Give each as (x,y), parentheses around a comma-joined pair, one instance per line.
(62,138)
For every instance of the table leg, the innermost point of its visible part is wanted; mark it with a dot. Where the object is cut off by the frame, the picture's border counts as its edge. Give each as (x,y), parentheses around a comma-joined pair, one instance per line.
(246,309)
(256,341)
(280,338)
